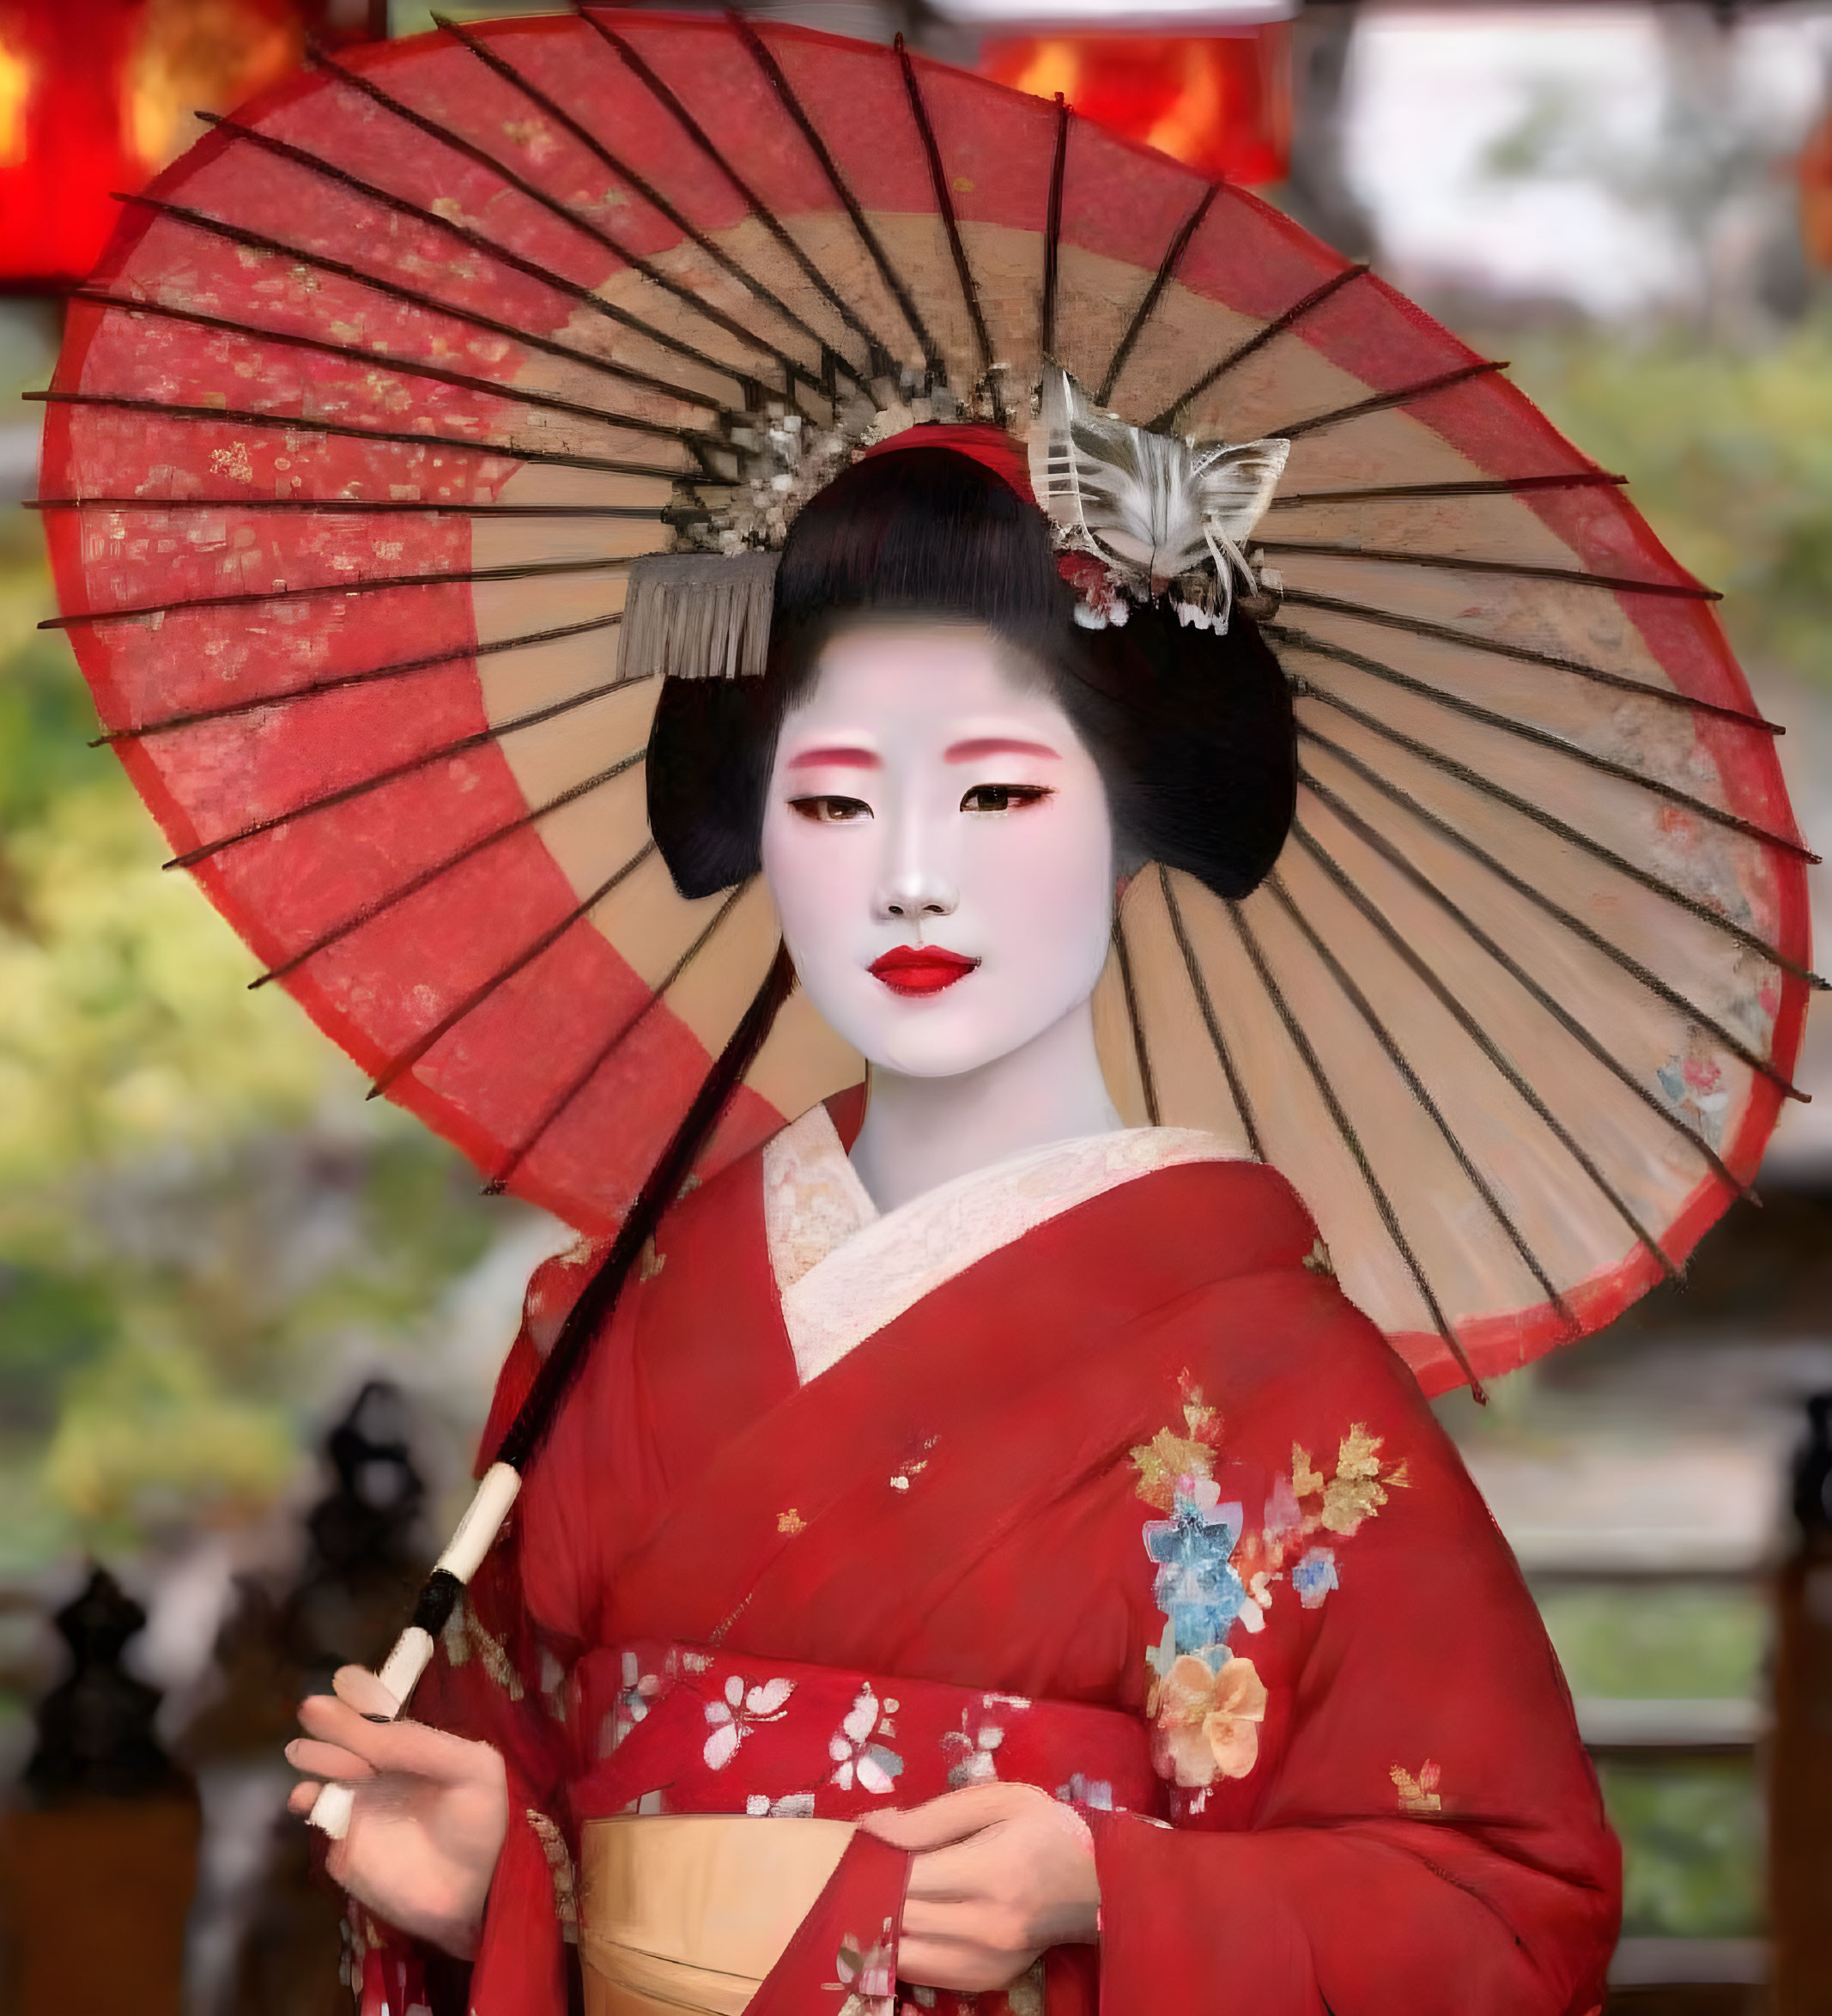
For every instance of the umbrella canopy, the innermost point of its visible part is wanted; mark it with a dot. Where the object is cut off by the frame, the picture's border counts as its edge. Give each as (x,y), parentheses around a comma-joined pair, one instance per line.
(378,391)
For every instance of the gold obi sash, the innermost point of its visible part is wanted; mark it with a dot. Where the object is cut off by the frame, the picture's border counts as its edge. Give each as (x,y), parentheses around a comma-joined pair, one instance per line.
(692,1910)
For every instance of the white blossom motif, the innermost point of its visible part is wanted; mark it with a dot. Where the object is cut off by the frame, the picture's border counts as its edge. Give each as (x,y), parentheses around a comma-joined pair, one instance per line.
(739,1715)
(856,1757)
(792,1805)
(982,1730)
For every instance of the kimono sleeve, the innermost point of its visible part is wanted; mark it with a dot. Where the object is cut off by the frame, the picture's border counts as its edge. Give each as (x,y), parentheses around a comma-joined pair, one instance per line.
(1428,1837)
(499,1677)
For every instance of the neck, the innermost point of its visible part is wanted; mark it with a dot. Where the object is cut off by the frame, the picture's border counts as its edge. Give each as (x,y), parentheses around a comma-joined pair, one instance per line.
(920,1131)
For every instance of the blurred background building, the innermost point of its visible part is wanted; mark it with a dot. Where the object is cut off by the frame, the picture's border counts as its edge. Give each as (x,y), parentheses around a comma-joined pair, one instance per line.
(248,1322)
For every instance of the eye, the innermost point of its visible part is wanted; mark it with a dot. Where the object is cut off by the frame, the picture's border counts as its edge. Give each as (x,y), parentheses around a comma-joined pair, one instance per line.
(831,811)
(1003,797)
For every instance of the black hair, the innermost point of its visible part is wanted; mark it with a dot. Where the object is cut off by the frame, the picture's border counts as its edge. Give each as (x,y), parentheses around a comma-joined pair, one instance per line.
(1193,732)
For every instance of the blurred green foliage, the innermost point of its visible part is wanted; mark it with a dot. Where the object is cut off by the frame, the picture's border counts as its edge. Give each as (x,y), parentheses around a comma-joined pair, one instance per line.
(1692,1836)
(1659,1642)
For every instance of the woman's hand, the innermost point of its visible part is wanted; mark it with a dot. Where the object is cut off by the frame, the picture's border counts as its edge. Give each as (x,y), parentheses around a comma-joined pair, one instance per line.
(1001,1872)
(432,1812)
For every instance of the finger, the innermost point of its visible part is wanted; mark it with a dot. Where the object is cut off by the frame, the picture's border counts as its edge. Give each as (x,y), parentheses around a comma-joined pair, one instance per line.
(357,1686)
(302,1798)
(413,1747)
(974,1870)
(960,1964)
(953,1817)
(326,1760)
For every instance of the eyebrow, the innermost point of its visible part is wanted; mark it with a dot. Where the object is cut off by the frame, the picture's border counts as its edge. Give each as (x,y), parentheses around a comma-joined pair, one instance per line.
(838,756)
(990,745)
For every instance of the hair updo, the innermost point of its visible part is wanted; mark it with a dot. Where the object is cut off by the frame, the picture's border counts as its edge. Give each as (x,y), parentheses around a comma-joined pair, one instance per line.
(1191,733)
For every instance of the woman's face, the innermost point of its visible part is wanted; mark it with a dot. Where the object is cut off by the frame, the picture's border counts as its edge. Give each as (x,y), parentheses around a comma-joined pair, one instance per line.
(937,841)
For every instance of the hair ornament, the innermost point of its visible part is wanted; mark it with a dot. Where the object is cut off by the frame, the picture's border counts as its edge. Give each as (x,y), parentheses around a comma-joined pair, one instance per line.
(1160,513)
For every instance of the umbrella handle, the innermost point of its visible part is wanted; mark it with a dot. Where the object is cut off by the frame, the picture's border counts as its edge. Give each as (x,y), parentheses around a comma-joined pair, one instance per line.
(439,1595)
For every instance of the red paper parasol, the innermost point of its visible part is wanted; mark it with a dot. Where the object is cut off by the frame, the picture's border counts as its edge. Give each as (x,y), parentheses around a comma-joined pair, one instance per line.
(378,390)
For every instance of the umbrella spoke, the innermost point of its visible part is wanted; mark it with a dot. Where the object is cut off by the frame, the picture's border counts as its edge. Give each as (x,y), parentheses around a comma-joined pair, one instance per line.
(352,585)
(1523,653)
(1351,1140)
(402,668)
(1519,569)
(1522,886)
(490,247)
(369,912)
(536,96)
(1567,1021)
(1053,236)
(1382,402)
(639,68)
(372,361)
(1623,865)
(765,58)
(1397,1057)
(1539,738)
(1242,352)
(462,745)
(430,303)
(1500,486)
(406,1059)
(1199,988)
(1142,1055)
(950,224)
(356,506)
(1397,944)
(505,1172)
(1149,300)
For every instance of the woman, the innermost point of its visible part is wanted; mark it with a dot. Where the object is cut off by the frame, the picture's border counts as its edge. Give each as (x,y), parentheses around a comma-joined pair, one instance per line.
(1018,1487)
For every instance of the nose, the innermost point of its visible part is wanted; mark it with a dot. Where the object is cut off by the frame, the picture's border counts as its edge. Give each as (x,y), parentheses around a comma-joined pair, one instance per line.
(914,891)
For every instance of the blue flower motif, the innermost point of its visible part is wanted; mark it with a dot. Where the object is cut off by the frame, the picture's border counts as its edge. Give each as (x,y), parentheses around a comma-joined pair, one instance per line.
(1314,1577)
(1195,1587)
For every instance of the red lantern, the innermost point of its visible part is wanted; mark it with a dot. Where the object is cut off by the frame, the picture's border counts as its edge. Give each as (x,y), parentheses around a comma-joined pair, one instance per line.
(1220,101)
(96,96)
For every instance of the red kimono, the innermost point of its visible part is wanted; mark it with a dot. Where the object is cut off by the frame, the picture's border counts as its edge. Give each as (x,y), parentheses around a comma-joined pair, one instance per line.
(1080,1472)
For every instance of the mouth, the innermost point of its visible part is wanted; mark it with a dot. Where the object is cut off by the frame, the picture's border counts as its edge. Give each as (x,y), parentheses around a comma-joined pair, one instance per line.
(924,969)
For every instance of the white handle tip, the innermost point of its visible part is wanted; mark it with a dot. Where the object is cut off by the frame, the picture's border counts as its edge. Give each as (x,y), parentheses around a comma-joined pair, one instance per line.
(331,1810)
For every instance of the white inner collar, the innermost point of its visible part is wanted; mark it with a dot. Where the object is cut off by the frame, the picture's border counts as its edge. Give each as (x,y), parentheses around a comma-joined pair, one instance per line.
(844,1269)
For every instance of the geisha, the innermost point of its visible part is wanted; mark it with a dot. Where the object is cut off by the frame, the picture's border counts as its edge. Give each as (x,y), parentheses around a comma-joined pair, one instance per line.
(986,1556)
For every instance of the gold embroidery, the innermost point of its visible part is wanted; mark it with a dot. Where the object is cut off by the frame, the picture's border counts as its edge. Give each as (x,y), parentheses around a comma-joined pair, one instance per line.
(1418,1795)
(1304,1479)
(465,1638)
(1318,1260)
(560,1867)
(1357,1491)
(790,1521)
(1168,1456)
(653,1262)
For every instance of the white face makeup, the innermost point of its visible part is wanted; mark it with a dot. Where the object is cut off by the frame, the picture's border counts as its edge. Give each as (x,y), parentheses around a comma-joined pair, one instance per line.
(937,841)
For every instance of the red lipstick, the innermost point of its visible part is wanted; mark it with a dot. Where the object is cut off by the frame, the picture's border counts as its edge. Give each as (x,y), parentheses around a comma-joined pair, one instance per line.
(920,969)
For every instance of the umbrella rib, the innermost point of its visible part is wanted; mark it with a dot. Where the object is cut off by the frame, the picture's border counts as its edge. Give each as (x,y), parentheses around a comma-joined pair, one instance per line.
(1521,886)
(1523,653)
(544,275)
(347,430)
(1149,300)
(357,585)
(427,877)
(950,224)
(1380,402)
(1539,738)
(1351,1139)
(1242,352)
(404,1061)
(502,1176)
(765,58)
(1052,233)
(1199,987)
(431,304)
(639,67)
(645,189)
(1570,834)
(1500,486)
(1382,1034)
(1523,570)
(461,746)
(357,507)
(1490,1050)
(406,367)
(399,670)
(1147,1079)
(1388,852)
